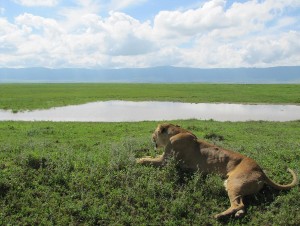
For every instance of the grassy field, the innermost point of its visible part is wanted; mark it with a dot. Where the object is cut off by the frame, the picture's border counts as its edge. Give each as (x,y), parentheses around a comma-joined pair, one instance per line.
(84,174)
(33,96)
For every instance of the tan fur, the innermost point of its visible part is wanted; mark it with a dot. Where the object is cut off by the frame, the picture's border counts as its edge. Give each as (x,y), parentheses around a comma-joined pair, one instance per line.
(244,175)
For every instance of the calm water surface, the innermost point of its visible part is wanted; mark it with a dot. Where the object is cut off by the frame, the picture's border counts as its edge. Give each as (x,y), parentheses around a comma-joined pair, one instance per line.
(129,111)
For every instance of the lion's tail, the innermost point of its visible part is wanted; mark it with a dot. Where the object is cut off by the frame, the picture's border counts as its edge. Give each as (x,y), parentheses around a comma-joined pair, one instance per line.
(283,187)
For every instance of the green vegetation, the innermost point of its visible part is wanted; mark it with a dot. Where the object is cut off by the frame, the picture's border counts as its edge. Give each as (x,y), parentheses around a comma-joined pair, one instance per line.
(84,174)
(33,96)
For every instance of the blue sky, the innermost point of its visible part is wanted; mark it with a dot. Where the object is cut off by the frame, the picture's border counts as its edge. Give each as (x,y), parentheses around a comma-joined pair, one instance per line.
(146,33)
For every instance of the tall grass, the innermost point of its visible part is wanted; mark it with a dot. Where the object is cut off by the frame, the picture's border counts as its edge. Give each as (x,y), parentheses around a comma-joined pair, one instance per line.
(85,174)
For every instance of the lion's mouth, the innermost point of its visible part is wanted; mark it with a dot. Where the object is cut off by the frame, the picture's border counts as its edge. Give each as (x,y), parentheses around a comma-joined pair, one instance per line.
(154,143)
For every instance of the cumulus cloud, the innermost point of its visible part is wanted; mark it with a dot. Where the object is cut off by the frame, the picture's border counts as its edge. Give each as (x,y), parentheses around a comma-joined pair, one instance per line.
(92,43)
(252,33)
(238,36)
(239,19)
(191,22)
(267,50)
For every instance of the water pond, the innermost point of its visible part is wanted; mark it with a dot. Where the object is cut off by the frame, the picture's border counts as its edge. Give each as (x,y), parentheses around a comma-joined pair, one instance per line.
(130,111)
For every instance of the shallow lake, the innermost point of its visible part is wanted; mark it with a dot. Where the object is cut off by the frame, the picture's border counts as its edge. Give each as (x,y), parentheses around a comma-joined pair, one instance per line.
(130,111)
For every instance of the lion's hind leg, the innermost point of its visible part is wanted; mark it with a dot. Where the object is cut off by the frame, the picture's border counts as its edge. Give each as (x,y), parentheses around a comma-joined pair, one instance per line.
(241,182)
(237,206)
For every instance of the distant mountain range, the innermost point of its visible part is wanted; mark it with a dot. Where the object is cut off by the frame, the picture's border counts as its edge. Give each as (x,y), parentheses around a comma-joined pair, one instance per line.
(289,74)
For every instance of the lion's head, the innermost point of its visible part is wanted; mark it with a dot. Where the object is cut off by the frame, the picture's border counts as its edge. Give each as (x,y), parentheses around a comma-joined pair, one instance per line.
(162,134)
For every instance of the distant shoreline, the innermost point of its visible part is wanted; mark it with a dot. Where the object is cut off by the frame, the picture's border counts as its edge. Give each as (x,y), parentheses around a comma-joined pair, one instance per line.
(18,97)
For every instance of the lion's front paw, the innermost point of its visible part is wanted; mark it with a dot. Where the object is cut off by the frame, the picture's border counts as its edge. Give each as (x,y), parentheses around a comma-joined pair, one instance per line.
(218,216)
(139,161)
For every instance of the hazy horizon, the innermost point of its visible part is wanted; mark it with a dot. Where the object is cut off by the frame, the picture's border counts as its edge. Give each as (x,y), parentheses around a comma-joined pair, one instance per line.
(154,75)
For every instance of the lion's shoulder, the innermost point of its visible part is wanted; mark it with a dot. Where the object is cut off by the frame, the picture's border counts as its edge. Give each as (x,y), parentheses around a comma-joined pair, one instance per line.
(184,139)
(205,144)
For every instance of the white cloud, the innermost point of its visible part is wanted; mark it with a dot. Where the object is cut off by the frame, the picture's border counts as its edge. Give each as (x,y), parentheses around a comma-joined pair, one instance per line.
(92,42)
(254,33)
(191,22)
(262,51)
(37,22)
(47,3)
(266,50)
(127,35)
(73,15)
(212,16)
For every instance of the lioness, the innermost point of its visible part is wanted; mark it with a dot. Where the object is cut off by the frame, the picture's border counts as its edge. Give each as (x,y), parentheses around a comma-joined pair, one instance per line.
(244,176)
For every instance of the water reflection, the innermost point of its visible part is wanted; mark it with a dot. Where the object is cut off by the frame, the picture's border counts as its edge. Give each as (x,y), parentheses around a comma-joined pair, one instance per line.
(129,111)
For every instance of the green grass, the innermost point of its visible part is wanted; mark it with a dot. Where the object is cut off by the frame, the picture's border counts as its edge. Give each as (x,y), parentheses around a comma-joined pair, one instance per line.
(84,174)
(33,96)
